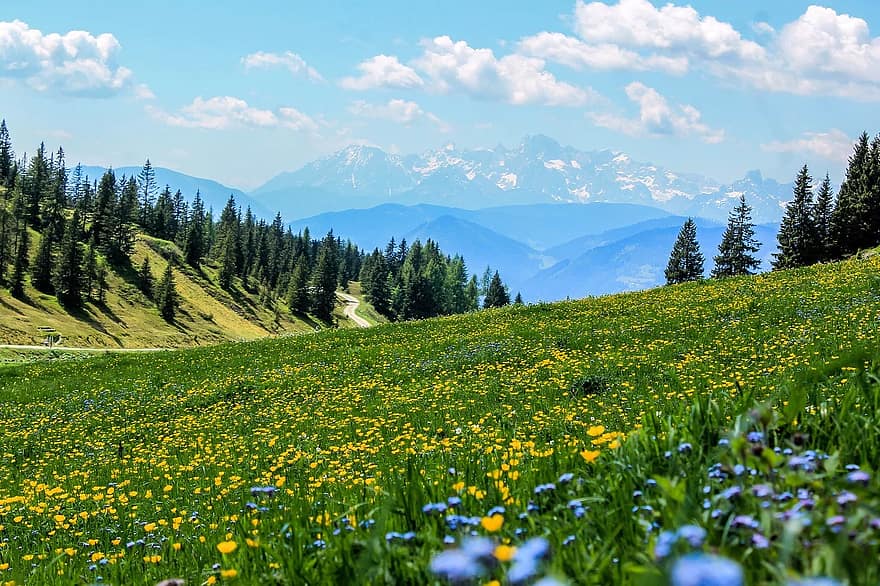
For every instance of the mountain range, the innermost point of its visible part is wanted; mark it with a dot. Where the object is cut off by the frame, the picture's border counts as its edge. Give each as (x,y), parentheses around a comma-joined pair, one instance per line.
(539,170)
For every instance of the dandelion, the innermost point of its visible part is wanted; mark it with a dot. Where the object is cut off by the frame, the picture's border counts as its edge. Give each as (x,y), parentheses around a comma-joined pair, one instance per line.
(493,523)
(227,547)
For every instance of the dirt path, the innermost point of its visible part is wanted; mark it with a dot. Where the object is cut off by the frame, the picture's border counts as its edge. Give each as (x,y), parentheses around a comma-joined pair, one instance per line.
(351,304)
(74,349)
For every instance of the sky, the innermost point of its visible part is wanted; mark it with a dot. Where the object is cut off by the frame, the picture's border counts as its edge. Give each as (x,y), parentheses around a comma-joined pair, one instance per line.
(239,92)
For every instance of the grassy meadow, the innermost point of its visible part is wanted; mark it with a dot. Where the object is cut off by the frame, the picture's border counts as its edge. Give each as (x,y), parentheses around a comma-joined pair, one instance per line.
(593,441)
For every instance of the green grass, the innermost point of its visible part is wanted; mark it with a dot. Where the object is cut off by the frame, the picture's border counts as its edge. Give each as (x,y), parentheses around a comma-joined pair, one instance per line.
(148,461)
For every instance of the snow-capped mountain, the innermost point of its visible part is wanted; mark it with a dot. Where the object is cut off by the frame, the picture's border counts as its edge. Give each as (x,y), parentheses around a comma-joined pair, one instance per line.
(538,170)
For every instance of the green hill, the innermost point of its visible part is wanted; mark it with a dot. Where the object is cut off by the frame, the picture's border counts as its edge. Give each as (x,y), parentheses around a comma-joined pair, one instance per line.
(127,318)
(577,440)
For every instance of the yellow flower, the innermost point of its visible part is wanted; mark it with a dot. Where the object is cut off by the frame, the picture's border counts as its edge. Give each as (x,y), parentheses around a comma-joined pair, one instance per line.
(70,551)
(176,546)
(596,430)
(228,574)
(590,455)
(211,580)
(59,519)
(493,523)
(149,527)
(504,553)
(252,543)
(226,547)
(152,559)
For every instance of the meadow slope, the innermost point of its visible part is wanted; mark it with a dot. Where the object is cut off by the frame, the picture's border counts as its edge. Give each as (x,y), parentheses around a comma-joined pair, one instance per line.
(358,456)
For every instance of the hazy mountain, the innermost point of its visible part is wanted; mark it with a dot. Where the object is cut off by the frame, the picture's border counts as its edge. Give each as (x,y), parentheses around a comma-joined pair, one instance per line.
(214,194)
(538,226)
(539,170)
(635,262)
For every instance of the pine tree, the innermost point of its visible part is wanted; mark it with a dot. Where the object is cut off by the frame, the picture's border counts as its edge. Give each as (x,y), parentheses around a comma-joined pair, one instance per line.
(6,230)
(166,295)
(7,156)
(194,243)
(685,260)
(147,188)
(472,294)
(324,279)
(41,271)
(145,278)
(69,273)
(497,295)
(798,239)
(21,258)
(91,270)
(822,213)
(738,244)
(846,219)
(298,287)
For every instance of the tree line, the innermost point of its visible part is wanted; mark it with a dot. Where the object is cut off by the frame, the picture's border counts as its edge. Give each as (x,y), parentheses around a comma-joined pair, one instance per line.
(817,225)
(87,227)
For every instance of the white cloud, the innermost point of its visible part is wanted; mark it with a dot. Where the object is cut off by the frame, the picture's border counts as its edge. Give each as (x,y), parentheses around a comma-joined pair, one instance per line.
(223,112)
(517,79)
(399,111)
(833,145)
(638,23)
(658,118)
(288,60)
(577,54)
(383,71)
(75,63)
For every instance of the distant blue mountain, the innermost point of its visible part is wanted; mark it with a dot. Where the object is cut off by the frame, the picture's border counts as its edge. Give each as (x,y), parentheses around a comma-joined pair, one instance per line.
(634,262)
(213,194)
(538,226)
(482,247)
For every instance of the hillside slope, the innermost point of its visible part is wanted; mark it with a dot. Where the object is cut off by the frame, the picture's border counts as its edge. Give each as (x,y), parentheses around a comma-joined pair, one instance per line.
(586,427)
(128,319)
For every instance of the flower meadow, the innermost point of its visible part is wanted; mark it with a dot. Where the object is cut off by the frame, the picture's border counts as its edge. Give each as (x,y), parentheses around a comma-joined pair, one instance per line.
(721,432)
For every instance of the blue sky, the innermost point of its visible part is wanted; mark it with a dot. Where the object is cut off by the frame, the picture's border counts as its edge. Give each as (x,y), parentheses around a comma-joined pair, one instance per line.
(239,92)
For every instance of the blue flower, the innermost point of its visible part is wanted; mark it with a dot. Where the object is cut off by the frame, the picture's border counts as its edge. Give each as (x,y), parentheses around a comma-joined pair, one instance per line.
(665,543)
(568,540)
(760,542)
(453,501)
(693,534)
(685,447)
(566,478)
(706,570)
(817,581)
(755,437)
(432,508)
(858,477)
(457,566)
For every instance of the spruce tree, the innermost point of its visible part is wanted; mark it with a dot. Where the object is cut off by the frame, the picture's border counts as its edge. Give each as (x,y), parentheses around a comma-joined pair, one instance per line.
(738,244)
(194,242)
(166,295)
(90,273)
(324,279)
(298,287)
(145,278)
(518,300)
(496,295)
(101,281)
(69,273)
(41,271)
(798,239)
(147,188)
(7,156)
(685,260)
(20,261)
(847,217)
(822,213)
(472,294)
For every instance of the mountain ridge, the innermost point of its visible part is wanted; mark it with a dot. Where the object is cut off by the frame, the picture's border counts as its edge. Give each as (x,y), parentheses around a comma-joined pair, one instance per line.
(538,170)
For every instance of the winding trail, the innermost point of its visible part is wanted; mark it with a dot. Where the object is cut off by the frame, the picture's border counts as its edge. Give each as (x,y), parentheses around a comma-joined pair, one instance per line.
(75,349)
(351,304)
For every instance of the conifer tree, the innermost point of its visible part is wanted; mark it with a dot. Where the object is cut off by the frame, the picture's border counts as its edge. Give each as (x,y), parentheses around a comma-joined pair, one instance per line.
(324,278)
(69,273)
(101,281)
(21,258)
(738,244)
(145,278)
(496,295)
(685,260)
(472,294)
(822,212)
(298,287)
(41,271)
(194,243)
(7,156)
(849,211)
(166,295)
(518,300)
(90,273)
(147,188)
(798,243)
